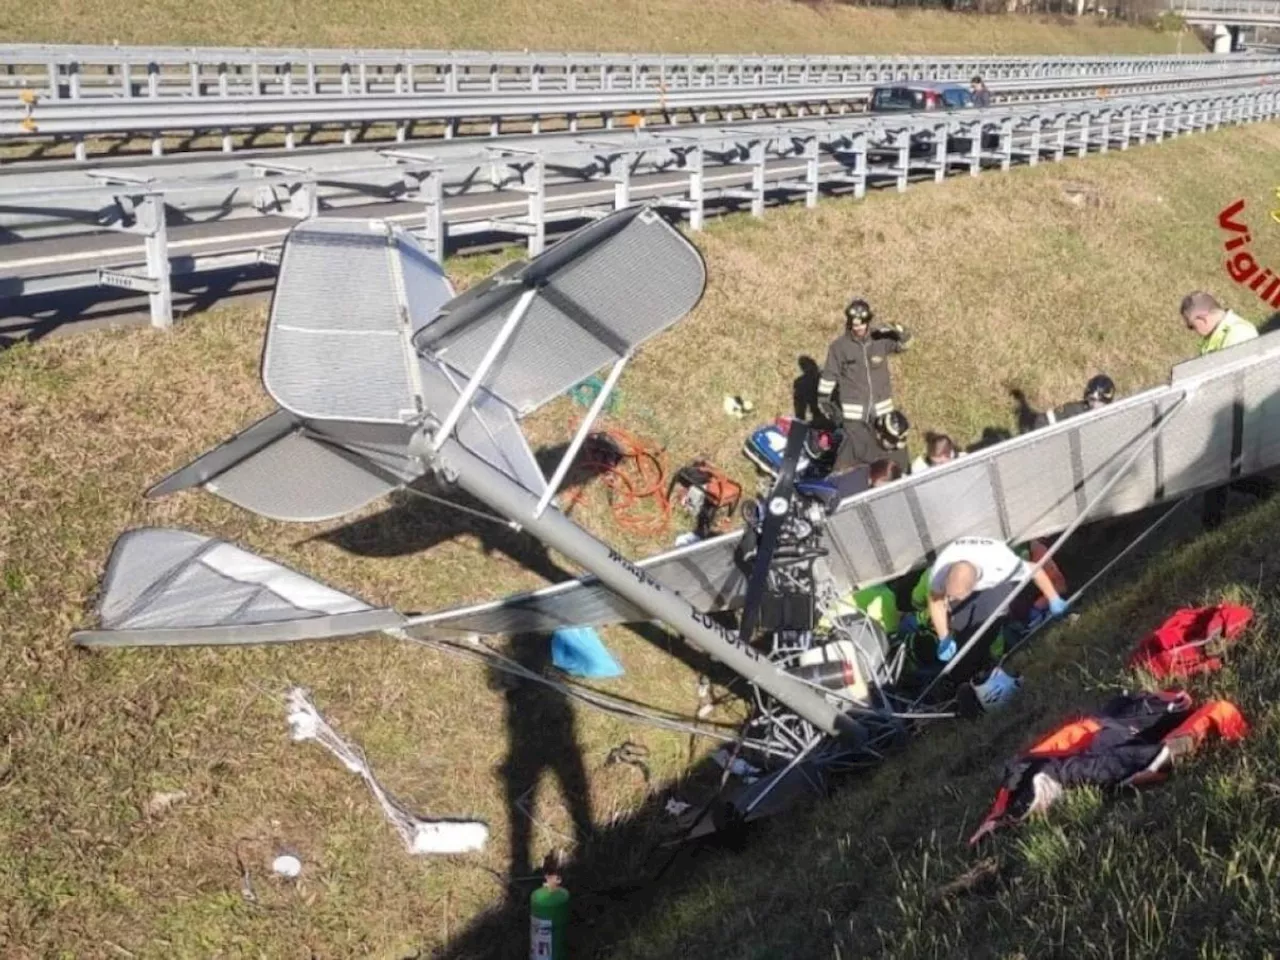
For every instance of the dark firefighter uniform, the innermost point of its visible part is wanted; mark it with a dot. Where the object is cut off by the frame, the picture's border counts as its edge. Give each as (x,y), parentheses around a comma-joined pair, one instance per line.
(1098,392)
(864,443)
(1058,414)
(859,366)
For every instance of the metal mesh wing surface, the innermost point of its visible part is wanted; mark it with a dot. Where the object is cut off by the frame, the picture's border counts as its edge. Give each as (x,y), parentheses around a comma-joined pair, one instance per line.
(348,298)
(286,469)
(176,588)
(1219,417)
(600,292)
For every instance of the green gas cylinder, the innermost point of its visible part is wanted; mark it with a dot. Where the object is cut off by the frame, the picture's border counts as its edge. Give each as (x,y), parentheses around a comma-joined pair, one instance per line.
(548,920)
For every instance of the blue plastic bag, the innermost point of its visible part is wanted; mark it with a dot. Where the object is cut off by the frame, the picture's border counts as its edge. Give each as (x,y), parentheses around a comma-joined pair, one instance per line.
(580,651)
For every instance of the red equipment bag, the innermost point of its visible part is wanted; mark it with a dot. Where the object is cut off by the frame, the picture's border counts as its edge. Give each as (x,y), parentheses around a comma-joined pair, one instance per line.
(1177,647)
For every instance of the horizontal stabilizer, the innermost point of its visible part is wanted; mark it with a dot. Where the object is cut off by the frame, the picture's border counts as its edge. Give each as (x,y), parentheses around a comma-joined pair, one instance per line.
(600,292)
(175,588)
(285,469)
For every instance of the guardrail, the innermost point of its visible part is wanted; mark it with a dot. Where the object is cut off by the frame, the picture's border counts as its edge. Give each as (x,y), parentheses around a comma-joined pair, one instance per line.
(84,118)
(235,188)
(687,173)
(70,72)
(1243,7)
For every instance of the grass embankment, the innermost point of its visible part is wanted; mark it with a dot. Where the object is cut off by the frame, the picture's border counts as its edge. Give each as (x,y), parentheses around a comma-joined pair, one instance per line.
(1190,868)
(1003,281)
(670,26)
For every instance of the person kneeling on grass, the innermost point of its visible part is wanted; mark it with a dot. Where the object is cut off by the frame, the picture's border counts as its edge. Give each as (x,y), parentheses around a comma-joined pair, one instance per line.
(968,582)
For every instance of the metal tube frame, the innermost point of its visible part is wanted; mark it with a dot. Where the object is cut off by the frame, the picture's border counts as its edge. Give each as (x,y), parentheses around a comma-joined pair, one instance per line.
(637,587)
(490,357)
(581,435)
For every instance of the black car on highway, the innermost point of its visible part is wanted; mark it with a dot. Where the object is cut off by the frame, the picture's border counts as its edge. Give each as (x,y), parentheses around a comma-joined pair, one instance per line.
(919,97)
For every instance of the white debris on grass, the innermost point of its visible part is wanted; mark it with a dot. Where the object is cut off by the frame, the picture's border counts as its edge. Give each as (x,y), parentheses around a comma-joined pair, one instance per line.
(419,835)
(286,865)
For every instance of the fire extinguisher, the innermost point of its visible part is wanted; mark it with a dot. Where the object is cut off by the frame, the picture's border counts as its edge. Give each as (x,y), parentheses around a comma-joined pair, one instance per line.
(548,920)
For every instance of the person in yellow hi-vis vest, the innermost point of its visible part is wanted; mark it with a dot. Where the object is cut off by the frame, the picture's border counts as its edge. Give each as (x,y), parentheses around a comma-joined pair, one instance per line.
(1219,329)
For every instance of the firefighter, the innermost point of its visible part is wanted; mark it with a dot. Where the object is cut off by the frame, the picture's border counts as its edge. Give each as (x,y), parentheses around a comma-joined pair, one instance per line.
(886,439)
(1098,392)
(858,363)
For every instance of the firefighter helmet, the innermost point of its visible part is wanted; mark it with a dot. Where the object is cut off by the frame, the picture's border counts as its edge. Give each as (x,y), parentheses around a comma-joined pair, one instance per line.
(892,428)
(1101,389)
(857,314)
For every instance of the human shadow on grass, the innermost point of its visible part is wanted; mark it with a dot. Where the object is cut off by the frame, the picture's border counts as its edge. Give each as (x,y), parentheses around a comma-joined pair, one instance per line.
(804,390)
(615,870)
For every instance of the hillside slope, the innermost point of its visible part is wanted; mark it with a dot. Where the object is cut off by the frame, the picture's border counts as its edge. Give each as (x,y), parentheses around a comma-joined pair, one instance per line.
(1003,280)
(669,26)
(1190,868)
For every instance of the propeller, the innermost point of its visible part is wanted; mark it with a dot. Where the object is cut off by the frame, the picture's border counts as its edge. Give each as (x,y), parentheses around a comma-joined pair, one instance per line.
(777,506)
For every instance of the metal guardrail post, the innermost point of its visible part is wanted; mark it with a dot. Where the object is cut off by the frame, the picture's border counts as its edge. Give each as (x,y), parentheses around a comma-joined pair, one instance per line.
(1006,143)
(941,136)
(903,168)
(144,215)
(697,187)
(757,161)
(1084,123)
(1033,149)
(812,172)
(621,181)
(1126,127)
(423,179)
(300,188)
(538,205)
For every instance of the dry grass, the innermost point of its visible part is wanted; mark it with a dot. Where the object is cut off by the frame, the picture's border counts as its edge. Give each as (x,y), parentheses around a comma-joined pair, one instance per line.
(672,26)
(1001,280)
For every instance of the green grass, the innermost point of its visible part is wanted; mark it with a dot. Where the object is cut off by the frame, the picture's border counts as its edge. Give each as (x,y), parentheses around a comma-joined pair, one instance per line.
(1002,280)
(1190,868)
(669,26)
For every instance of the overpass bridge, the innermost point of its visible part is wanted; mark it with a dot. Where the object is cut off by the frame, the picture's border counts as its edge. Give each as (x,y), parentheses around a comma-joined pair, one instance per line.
(1228,18)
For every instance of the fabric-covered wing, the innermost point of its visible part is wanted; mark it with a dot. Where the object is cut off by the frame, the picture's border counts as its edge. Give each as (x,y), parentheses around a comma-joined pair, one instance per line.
(175,588)
(703,573)
(601,291)
(1219,417)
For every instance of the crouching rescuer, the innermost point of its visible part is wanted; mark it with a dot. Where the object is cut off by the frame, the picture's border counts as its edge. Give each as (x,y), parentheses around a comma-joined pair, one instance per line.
(968,583)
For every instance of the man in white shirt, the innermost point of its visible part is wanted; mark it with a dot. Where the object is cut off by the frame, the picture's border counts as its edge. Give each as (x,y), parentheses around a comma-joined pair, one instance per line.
(970,579)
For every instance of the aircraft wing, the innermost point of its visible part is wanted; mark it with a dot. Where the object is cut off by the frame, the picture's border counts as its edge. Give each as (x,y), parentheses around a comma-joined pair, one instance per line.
(1219,417)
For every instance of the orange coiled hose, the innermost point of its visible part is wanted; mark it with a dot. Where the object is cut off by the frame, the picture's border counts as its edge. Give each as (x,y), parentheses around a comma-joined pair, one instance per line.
(635,483)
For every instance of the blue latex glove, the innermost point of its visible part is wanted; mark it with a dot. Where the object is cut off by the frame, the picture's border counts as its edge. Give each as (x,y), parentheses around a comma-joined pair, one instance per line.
(947,648)
(908,625)
(1057,607)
